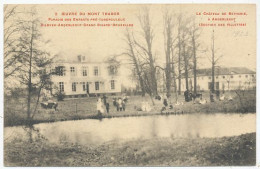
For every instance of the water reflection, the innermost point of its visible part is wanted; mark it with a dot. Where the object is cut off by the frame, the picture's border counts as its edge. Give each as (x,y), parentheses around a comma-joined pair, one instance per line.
(26,133)
(122,129)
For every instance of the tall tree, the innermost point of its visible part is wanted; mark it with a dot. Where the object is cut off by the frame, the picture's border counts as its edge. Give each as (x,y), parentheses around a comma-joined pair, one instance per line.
(185,55)
(179,53)
(168,45)
(134,59)
(214,59)
(148,35)
(174,74)
(35,59)
(194,33)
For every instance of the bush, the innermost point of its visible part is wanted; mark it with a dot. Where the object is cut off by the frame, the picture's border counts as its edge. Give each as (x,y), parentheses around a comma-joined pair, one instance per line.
(60,96)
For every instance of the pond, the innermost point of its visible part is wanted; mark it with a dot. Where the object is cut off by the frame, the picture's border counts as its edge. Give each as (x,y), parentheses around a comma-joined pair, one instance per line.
(85,132)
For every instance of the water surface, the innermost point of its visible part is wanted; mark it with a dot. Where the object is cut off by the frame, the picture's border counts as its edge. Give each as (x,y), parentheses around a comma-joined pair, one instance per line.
(92,131)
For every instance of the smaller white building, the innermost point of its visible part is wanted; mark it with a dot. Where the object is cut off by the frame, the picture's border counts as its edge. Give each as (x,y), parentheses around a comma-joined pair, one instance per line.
(82,78)
(226,78)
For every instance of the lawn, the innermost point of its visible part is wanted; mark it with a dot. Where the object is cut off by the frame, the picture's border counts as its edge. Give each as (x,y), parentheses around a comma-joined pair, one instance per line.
(83,108)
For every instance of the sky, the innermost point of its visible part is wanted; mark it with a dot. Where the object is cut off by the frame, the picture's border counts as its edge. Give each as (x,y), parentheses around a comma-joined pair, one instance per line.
(236,44)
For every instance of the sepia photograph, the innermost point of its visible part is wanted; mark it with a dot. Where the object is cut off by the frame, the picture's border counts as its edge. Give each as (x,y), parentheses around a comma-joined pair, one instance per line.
(129,85)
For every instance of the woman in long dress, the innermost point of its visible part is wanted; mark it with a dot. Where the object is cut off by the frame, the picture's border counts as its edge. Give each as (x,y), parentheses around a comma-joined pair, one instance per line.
(100,108)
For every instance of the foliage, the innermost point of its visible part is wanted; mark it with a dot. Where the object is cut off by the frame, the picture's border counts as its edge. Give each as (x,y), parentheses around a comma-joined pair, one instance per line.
(60,96)
(30,54)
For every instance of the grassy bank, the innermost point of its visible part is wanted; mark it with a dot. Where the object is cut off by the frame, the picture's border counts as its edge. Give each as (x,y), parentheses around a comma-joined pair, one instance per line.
(226,151)
(84,108)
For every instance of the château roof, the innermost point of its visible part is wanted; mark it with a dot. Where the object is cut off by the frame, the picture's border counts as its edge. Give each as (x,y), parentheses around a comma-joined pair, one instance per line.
(224,71)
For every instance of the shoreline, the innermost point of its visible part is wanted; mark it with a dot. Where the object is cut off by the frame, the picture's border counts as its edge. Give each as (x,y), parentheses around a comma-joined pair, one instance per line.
(15,112)
(107,116)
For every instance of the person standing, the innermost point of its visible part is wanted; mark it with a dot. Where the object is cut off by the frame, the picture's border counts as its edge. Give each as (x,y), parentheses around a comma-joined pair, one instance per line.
(120,104)
(106,104)
(100,109)
(186,95)
(107,107)
(104,99)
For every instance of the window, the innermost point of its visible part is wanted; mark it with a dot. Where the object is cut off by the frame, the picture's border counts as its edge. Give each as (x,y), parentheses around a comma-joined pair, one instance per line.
(96,71)
(112,84)
(216,77)
(97,85)
(74,86)
(231,76)
(246,76)
(84,86)
(72,71)
(253,75)
(61,86)
(84,71)
(223,77)
(60,70)
(209,85)
(209,77)
(239,76)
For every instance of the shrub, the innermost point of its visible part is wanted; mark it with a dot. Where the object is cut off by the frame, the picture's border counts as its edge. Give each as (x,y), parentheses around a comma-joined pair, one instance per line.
(60,96)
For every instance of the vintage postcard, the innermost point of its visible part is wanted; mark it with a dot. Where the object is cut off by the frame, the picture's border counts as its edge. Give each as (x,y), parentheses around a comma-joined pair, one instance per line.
(129,85)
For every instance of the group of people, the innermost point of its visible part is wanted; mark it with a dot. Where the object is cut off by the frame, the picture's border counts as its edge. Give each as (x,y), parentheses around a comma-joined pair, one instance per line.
(197,98)
(120,103)
(103,105)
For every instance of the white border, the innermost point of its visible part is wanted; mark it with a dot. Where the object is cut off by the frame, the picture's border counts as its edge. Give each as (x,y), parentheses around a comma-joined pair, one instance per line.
(257,2)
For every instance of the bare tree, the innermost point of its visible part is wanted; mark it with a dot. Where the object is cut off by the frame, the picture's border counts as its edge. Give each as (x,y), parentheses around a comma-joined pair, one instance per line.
(11,36)
(168,45)
(194,33)
(35,60)
(134,59)
(214,59)
(179,52)
(185,54)
(174,74)
(148,35)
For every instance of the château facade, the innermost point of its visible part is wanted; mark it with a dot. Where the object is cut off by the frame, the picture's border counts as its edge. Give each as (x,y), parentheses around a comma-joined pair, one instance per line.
(81,78)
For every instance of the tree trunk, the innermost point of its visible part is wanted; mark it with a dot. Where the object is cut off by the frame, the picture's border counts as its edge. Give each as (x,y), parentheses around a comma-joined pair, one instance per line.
(152,73)
(136,65)
(174,77)
(194,64)
(213,65)
(186,67)
(179,63)
(30,79)
(168,67)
